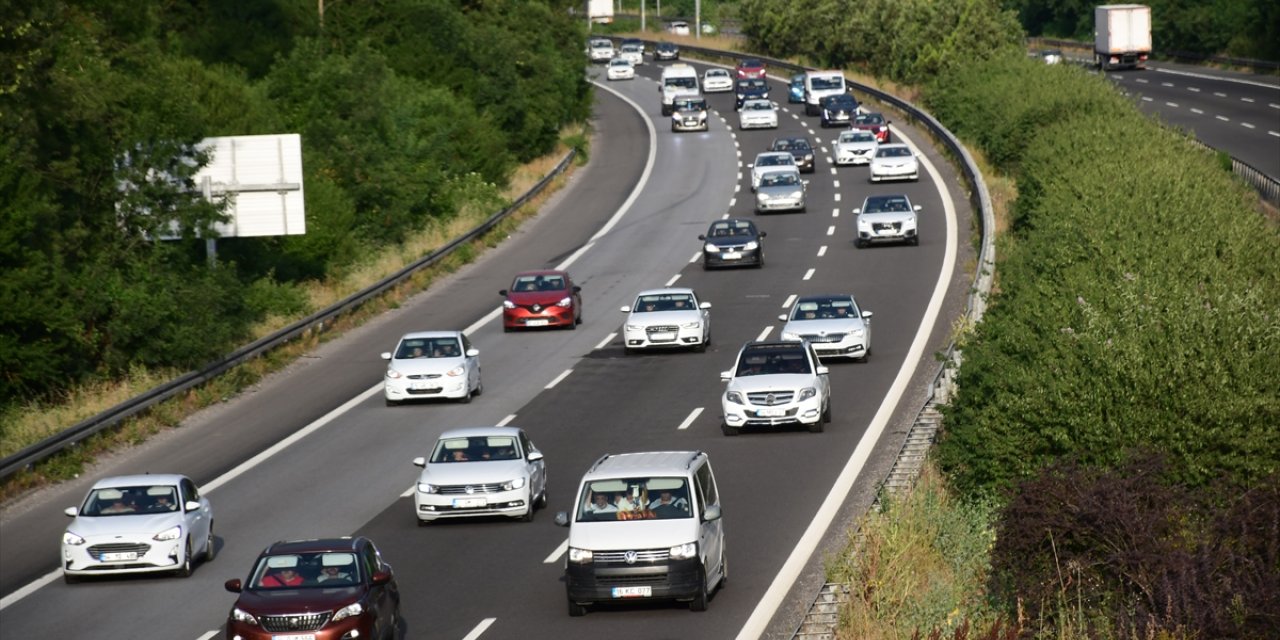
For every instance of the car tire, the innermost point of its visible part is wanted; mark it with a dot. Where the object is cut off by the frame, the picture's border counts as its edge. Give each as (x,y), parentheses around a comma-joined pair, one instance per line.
(70,579)
(915,240)
(528,515)
(479,388)
(701,347)
(859,243)
(576,610)
(699,601)
(506,329)
(466,397)
(422,523)
(184,570)
(816,427)
(728,430)
(392,403)
(211,548)
(826,414)
(542,499)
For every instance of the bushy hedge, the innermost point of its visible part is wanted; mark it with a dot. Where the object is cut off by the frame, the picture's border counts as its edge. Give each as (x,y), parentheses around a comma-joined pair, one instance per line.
(1139,295)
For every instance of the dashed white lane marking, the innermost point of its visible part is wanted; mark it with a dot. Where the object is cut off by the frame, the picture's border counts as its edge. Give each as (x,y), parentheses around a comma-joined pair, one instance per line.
(1223,118)
(563,374)
(831,231)
(555,555)
(1193,89)
(609,338)
(1166,84)
(479,629)
(837,197)
(835,183)
(208,635)
(724,217)
(764,334)
(733,201)
(835,213)
(808,274)
(791,298)
(1142,81)
(833,169)
(695,257)
(1273,105)
(1219,94)
(1249,100)
(1274,133)
(1196,111)
(511,416)
(672,280)
(1172,104)
(1148,99)
(737,187)
(1247,125)
(688,421)
(822,251)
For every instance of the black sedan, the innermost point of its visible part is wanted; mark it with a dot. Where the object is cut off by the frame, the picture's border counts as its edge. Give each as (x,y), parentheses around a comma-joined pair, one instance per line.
(800,148)
(749,88)
(838,110)
(666,51)
(732,242)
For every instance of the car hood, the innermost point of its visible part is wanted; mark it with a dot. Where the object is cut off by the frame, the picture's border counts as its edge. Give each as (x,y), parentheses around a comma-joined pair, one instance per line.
(774,382)
(823,327)
(147,524)
(759,114)
(688,112)
(271,602)
(894,161)
(888,216)
(868,144)
(476,472)
(780,190)
(544,298)
(731,241)
(653,318)
(633,534)
(426,366)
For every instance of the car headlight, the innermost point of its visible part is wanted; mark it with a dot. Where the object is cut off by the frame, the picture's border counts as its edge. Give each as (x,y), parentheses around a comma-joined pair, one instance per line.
(507,304)
(580,556)
(566,301)
(794,194)
(684,551)
(751,246)
(456,371)
(734,397)
(393,374)
(518,483)
(172,533)
(691,325)
(807,392)
(240,615)
(353,609)
(790,336)
(857,333)
(72,539)
(635,327)
(702,115)
(762,196)
(710,248)
(808,156)
(424,487)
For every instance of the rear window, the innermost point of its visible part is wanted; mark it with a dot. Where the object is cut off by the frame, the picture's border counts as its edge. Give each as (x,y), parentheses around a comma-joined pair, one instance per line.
(637,498)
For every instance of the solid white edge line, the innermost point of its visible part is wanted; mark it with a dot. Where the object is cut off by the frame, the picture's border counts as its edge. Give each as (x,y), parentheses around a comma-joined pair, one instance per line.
(480,629)
(30,588)
(787,304)
(808,274)
(764,334)
(563,374)
(688,421)
(555,555)
(808,543)
(607,339)
(506,421)
(644,176)
(672,280)
(1206,76)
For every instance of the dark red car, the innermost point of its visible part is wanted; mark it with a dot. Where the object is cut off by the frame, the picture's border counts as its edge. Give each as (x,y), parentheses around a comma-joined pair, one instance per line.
(750,68)
(541,299)
(873,122)
(327,589)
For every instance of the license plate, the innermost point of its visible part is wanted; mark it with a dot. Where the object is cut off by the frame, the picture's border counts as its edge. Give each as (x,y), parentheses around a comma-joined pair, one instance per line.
(469,503)
(632,592)
(731,255)
(295,636)
(422,386)
(116,557)
(771,413)
(663,337)
(541,322)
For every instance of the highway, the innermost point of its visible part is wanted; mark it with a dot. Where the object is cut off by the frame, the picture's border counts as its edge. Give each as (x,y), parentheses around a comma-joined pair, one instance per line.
(313,451)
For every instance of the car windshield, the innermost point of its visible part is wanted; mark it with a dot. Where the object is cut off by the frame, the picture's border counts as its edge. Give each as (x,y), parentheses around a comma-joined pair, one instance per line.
(840,100)
(857,136)
(631,48)
(892,152)
(664,302)
(752,83)
(619,62)
(731,228)
(823,309)
(475,449)
(773,160)
(796,144)
(869,118)
(691,105)
(780,179)
(639,498)
(684,83)
(886,204)
(832,82)
(538,283)
(764,362)
(413,348)
(325,569)
(120,501)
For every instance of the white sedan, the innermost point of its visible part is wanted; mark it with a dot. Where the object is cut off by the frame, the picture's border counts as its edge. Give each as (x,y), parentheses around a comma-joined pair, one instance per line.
(667,318)
(758,114)
(432,364)
(833,324)
(634,53)
(138,524)
(620,69)
(717,81)
(770,161)
(855,146)
(894,162)
(480,471)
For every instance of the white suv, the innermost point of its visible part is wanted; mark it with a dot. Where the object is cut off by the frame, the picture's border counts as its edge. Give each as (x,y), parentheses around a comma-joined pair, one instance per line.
(667,318)
(776,384)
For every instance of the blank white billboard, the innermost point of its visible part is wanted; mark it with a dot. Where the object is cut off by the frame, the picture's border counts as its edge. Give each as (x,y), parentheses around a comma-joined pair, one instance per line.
(262,178)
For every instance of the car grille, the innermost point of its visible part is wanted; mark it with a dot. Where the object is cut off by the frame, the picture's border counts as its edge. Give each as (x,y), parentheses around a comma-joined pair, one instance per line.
(97,550)
(423,376)
(642,555)
(887,226)
(830,337)
(691,122)
(671,329)
(298,622)
(462,489)
(771,398)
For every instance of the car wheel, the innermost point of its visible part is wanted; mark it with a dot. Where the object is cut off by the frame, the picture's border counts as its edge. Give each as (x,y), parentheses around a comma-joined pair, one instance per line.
(479,387)
(859,243)
(760,262)
(826,413)
(816,427)
(542,499)
(184,571)
(506,329)
(728,430)
(724,570)
(211,549)
(915,240)
(466,397)
(576,610)
(699,602)
(528,515)
(70,579)
(392,403)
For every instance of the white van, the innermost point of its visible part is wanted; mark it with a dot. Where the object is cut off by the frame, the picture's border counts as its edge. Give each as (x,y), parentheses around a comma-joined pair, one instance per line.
(677,79)
(818,85)
(645,526)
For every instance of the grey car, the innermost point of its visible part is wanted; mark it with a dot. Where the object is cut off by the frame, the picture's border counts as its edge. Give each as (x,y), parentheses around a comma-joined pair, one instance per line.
(780,191)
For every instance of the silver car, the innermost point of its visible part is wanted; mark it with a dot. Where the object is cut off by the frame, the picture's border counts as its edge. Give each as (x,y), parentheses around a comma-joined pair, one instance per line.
(781,191)
(833,324)
(758,114)
(432,364)
(887,219)
(855,146)
(770,161)
(138,524)
(894,162)
(773,384)
(665,318)
(480,471)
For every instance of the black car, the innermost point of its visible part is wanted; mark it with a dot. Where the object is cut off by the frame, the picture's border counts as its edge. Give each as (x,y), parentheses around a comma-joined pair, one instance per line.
(666,51)
(748,88)
(801,149)
(838,110)
(732,242)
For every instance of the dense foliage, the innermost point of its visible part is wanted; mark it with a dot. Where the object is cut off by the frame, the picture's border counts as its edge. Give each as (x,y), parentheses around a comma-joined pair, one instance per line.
(407,108)
(1247,28)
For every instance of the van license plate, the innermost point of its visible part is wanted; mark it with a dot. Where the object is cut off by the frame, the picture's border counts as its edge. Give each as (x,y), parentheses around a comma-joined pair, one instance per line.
(632,592)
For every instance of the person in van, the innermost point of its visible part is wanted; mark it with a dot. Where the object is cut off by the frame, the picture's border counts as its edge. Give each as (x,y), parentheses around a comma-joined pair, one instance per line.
(600,504)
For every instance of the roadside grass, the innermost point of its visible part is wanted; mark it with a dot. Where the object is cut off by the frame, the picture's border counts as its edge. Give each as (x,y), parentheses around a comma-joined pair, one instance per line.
(35,421)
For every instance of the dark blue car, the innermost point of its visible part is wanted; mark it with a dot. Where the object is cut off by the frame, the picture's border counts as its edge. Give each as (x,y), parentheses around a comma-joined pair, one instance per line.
(750,88)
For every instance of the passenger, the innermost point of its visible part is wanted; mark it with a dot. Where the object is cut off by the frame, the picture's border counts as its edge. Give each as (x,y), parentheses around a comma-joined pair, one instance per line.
(417,353)
(284,577)
(335,573)
(666,499)
(622,503)
(162,504)
(680,304)
(650,306)
(600,504)
(460,455)
(117,506)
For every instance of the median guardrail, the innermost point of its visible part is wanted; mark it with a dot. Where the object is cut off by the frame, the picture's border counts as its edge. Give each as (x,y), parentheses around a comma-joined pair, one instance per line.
(69,437)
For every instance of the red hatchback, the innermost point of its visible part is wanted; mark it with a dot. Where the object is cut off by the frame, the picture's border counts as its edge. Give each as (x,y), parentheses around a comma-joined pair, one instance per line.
(541,299)
(750,68)
(873,122)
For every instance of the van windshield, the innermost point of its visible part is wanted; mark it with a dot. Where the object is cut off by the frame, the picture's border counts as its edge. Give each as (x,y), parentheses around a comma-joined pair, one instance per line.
(652,498)
(682,82)
(820,83)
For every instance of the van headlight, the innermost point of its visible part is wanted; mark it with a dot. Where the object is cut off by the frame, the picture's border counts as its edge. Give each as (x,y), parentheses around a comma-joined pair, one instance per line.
(580,556)
(172,533)
(424,487)
(684,551)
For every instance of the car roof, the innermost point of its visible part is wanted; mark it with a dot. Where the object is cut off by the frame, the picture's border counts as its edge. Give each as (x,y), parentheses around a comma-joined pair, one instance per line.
(345,543)
(656,292)
(430,334)
(647,463)
(138,479)
(541,272)
(468,432)
(772,153)
(733,222)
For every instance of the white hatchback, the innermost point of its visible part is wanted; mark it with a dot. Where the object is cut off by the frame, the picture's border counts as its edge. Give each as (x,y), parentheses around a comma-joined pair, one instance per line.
(758,114)
(717,81)
(432,364)
(672,317)
(481,471)
(620,69)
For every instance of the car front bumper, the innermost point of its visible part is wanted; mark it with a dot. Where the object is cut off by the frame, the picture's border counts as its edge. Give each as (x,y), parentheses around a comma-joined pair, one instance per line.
(662,337)
(689,124)
(759,123)
(398,389)
(904,172)
(731,258)
(804,412)
(437,506)
(780,204)
(552,316)
(103,555)
(349,628)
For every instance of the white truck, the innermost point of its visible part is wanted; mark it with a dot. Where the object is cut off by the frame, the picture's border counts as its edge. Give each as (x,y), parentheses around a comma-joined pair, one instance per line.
(1121,36)
(600,11)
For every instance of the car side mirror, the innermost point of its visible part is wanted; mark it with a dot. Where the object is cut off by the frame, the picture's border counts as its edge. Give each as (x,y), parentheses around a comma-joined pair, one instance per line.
(71,512)
(763,234)
(725,376)
(191,505)
(473,352)
(702,236)
(386,355)
(625,308)
(857,211)
(916,207)
(420,462)
(804,182)
(712,512)
(867,315)
(503,293)
(562,519)
(782,318)
(233,585)
(380,578)
(822,371)
(704,305)
(577,289)
(534,456)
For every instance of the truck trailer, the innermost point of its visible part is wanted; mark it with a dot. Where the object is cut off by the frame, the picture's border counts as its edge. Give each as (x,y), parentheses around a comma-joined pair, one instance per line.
(600,11)
(1121,36)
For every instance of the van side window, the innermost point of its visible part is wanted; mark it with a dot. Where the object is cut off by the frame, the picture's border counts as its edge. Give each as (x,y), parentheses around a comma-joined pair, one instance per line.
(706,487)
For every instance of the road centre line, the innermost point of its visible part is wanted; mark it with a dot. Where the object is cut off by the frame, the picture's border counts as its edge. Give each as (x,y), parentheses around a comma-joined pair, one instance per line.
(689,420)
(787,303)
(555,555)
(1247,125)
(563,374)
(831,231)
(480,629)
(764,334)
(672,280)
(609,338)
(822,251)
(808,274)
(695,257)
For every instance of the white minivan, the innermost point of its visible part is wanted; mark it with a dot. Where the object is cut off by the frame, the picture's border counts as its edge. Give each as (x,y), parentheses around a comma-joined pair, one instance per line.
(645,526)
(818,85)
(677,79)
